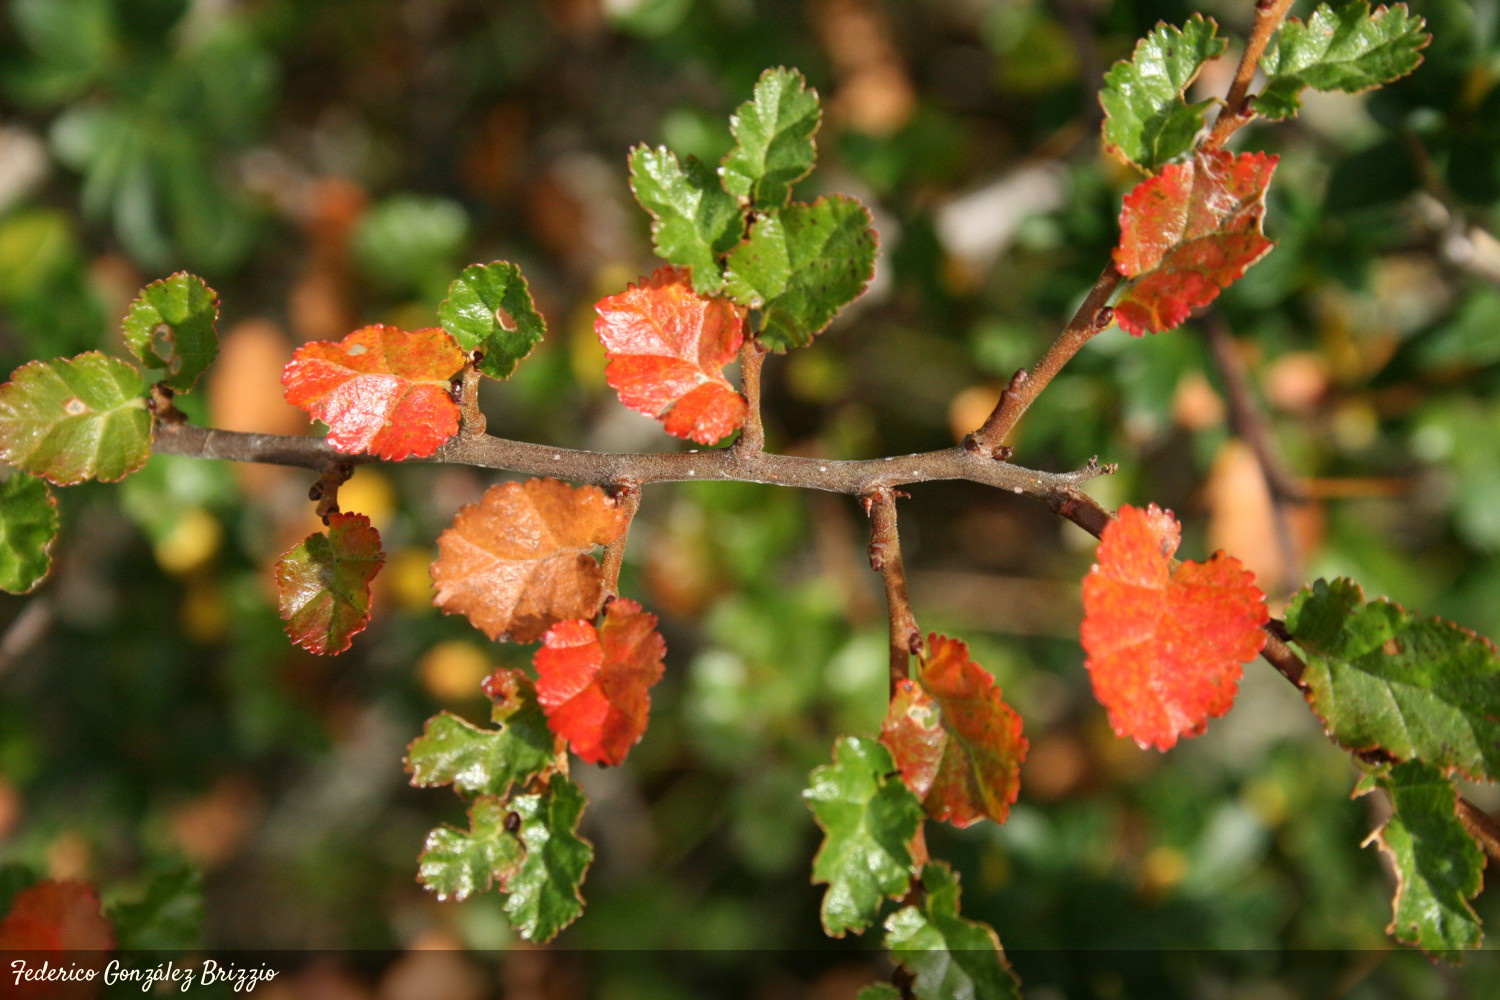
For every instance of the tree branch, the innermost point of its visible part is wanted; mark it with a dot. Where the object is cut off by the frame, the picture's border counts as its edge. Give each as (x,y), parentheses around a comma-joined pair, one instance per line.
(1060,490)
(753,434)
(885,559)
(1091,319)
(627,497)
(1236,112)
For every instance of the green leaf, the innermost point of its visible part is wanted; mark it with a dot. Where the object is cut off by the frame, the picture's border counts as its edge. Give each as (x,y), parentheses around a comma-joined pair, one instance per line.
(166,912)
(478,760)
(1146,120)
(489,309)
(694,218)
(171,325)
(1348,49)
(774,139)
(544,895)
(950,956)
(73,419)
(28,524)
(457,863)
(868,818)
(878,991)
(1438,865)
(801,266)
(1382,678)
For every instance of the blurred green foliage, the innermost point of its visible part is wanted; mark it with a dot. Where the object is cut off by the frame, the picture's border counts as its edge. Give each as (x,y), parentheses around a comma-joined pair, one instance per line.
(327,163)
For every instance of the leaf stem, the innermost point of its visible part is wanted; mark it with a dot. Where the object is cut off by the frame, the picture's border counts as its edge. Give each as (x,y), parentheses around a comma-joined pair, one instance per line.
(753,435)
(885,559)
(1236,112)
(466,394)
(1092,318)
(325,492)
(627,497)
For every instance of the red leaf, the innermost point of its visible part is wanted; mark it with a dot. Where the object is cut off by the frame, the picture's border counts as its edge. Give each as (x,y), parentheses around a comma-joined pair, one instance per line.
(595,685)
(667,347)
(518,561)
(56,916)
(1188,232)
(380,390)
(956,742)
(324,584)
(1165,646)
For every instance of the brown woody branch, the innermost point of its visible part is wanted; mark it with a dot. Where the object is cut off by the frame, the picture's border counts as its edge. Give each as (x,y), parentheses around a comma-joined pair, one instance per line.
(627,497)
(885,559)
(1237,112)
(753,435)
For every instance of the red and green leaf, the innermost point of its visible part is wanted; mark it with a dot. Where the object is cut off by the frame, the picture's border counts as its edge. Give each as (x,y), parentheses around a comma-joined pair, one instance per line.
(324,584)
(667,348)
(595,684)
(56,916)
(956,742)
(519,561)
(72,419)
(380,390)
(1165,644)
(1188,233)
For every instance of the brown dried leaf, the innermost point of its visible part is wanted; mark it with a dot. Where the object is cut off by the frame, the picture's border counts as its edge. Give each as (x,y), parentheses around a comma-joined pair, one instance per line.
(518,562)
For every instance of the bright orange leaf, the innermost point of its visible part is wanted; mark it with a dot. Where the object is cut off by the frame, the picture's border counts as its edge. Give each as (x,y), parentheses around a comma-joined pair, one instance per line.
(1189,232)
(956,742)
(1165,645)
(380,390)
(594,684)
(56,916)
(667,348)
(519,561)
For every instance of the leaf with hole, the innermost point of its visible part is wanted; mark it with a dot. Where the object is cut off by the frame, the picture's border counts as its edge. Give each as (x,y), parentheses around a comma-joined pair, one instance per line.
(456,863)
(519,561)
(950,955)
(323,584)
(1147,121)
(1188,233)
(489,309)
(1439,868)
(773,134)
(543,891)
(869,819)
(595,684)
(1165,644)
(667,347)
(802,265)
(381,391)
(170,325)
(1382,678)
(694,220)
(956,742)
(483,760)
(73,419)
(28,525)
(1346,48)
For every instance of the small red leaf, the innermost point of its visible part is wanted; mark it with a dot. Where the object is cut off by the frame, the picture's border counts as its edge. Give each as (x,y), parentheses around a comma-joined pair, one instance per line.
(518,561)
(956,742)
(1189,232)
(56,916)
(380,390)
(1165,646)
(324,584)
(667,348)
(595,685)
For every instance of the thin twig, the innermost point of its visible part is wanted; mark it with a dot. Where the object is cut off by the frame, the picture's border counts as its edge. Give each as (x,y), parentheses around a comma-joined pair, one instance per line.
(466,394)
(325,492)
(1237,112)
(1092,318)
(627,497)
(1481,826)
(885,559)
(753,434)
